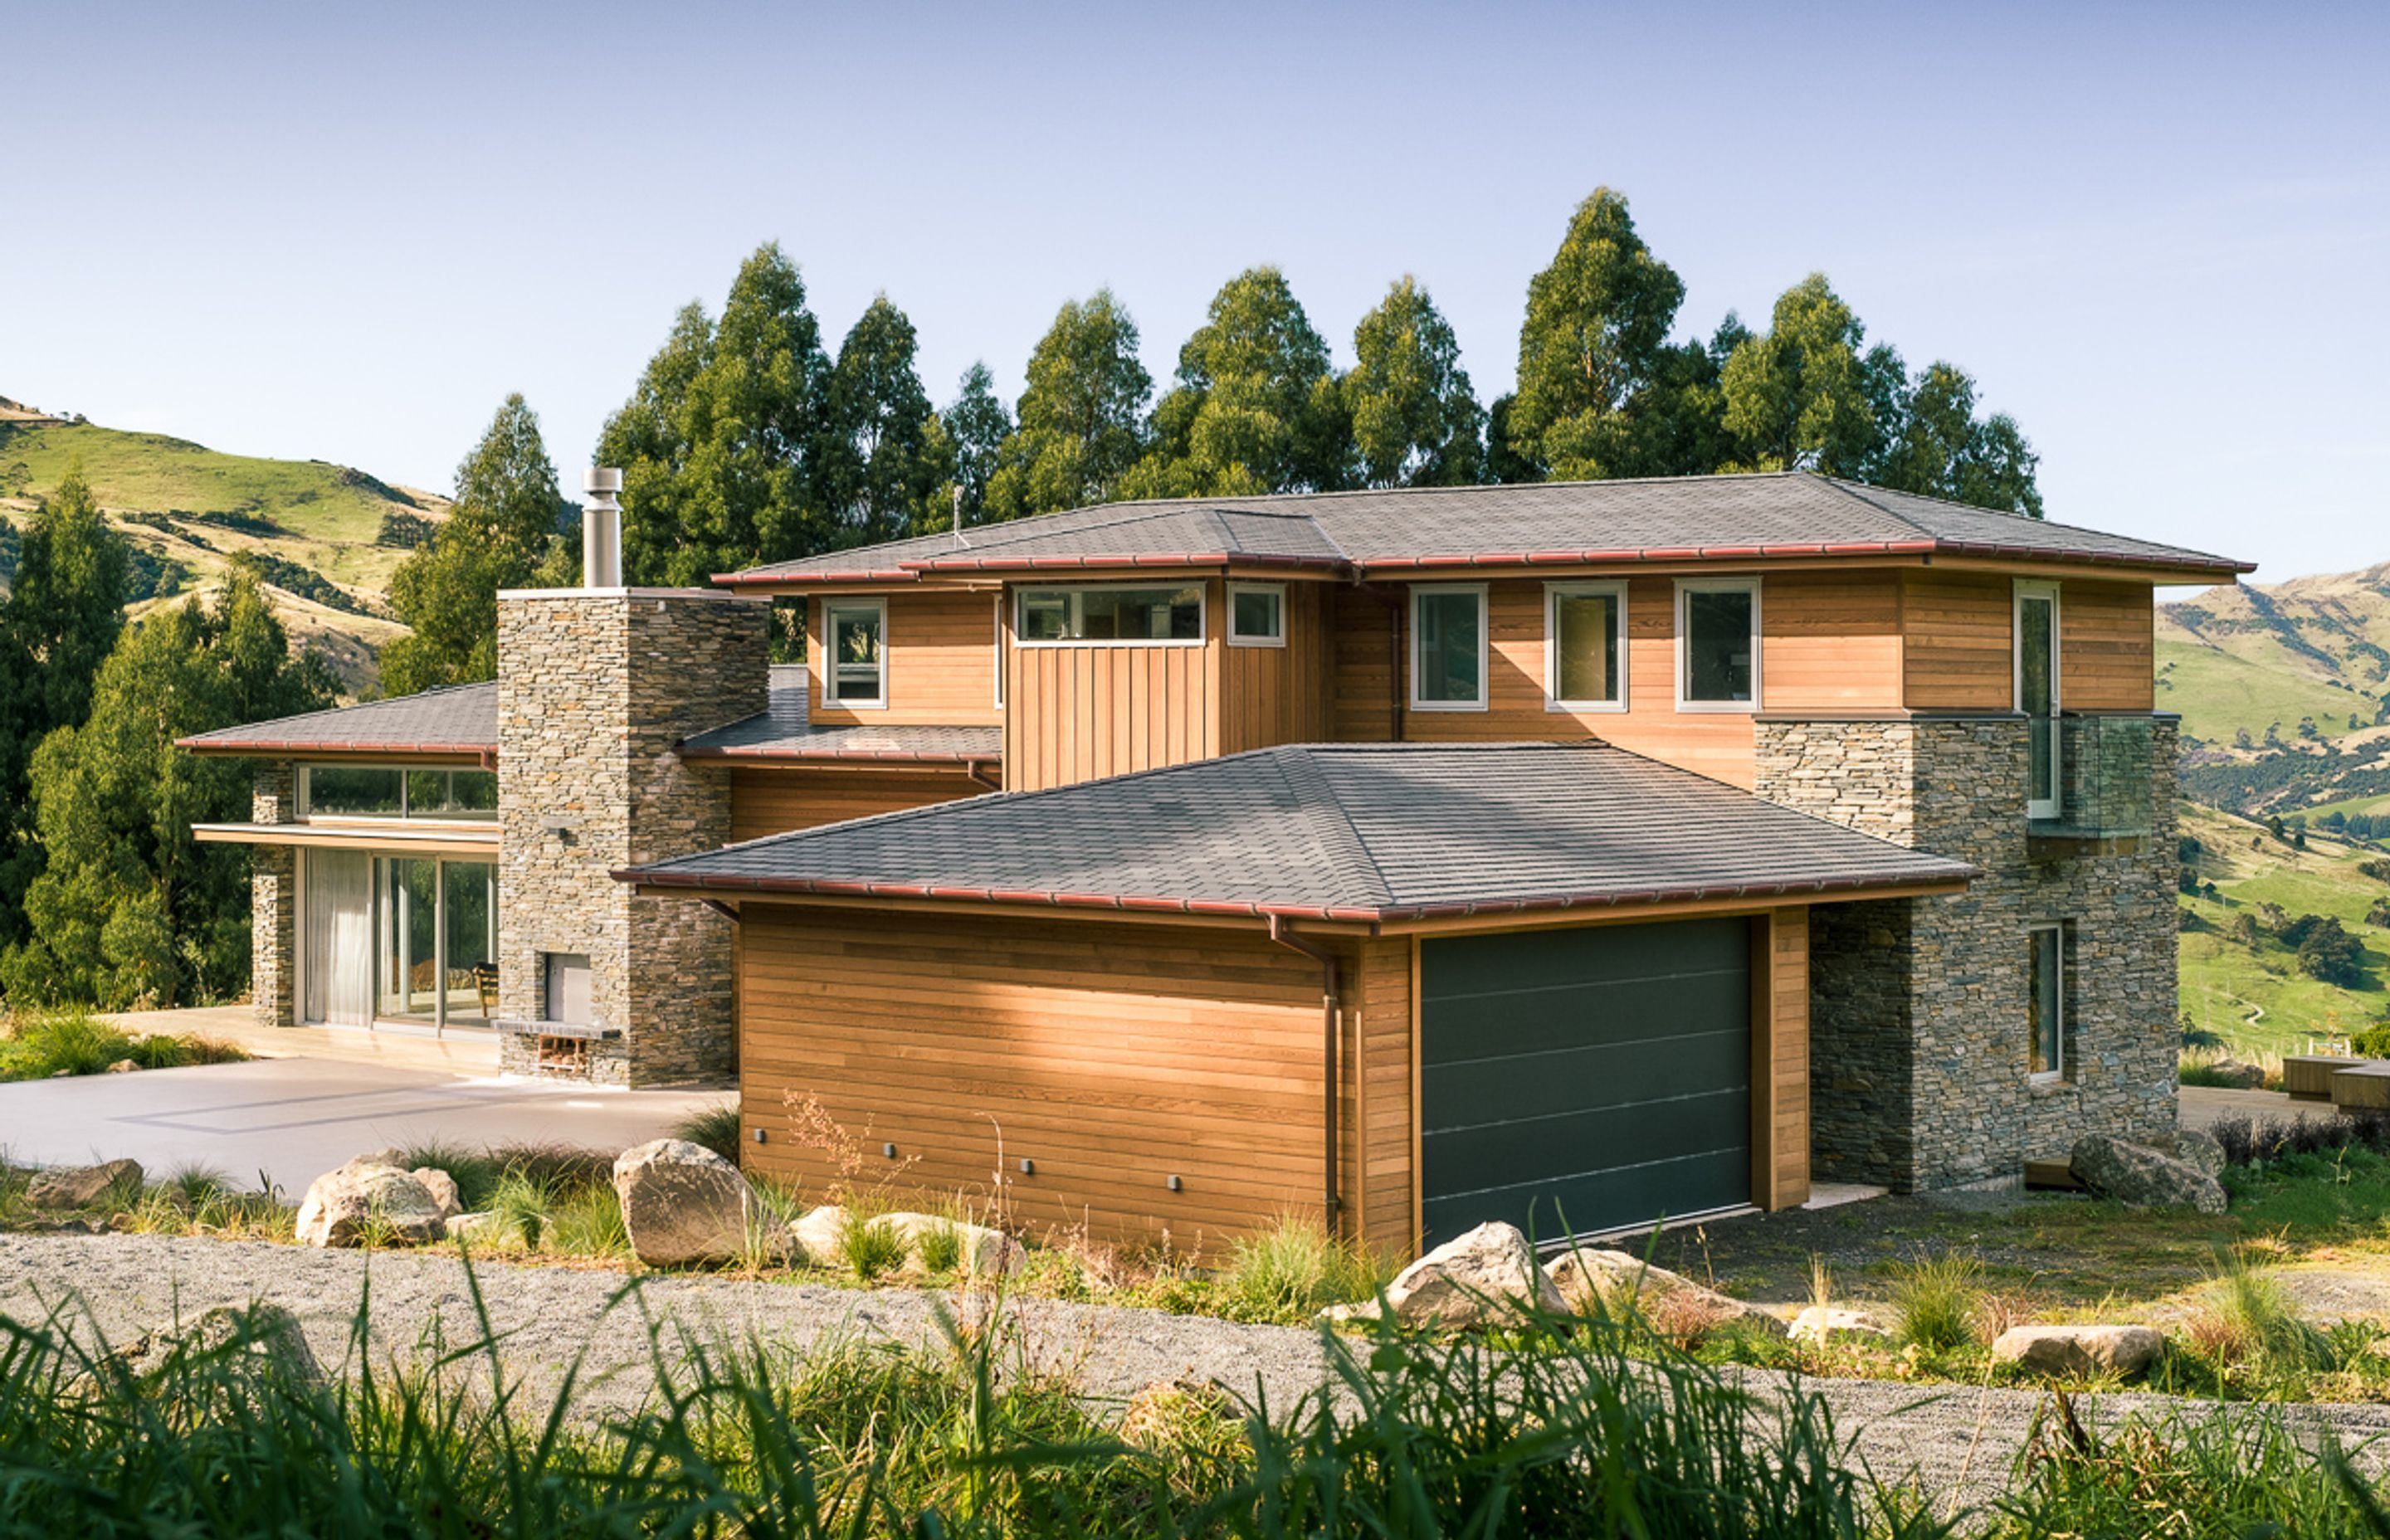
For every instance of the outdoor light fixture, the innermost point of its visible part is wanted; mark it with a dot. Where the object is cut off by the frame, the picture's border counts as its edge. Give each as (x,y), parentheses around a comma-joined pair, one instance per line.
(1028,1166)
(889,1150)
(760,1135)
(1175,1184)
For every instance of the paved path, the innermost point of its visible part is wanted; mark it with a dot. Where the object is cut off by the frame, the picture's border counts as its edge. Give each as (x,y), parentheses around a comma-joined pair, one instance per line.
(1958,1444)
(294,1119)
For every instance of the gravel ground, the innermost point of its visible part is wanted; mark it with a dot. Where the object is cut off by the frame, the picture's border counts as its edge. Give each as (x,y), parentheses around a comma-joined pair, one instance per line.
(1957,1442)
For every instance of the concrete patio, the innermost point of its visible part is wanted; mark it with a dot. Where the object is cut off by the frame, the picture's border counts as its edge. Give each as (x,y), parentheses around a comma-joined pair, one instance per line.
(287,1120)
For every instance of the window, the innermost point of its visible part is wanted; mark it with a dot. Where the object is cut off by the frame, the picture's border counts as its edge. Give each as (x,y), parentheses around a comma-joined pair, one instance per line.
(853,669)
(371,791)
(1585,647)
(1001,654)
(1449,649)
(1718,646)
(2037,693)
(1257,615)
(2047,1008)
(1140,616)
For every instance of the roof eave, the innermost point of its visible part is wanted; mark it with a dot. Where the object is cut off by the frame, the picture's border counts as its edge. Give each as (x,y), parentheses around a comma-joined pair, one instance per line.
(206,745)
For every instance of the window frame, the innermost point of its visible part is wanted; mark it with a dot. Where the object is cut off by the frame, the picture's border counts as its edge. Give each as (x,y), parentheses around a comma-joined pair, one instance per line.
(1203,615)
(306,813)
(2021,589)
(1422,591)
(830,610)
(1277,591)
(1686,588)
(1615,590)
(2057,1073)
(1003,637)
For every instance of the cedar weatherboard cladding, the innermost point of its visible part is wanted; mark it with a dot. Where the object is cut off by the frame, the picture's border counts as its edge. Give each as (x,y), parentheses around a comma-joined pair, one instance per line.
(1375,831)
(784,731)
(1427,529)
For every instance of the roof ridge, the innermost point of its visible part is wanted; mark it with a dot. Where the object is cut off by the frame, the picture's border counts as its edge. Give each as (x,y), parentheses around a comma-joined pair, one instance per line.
(1851,490)
(1325,807)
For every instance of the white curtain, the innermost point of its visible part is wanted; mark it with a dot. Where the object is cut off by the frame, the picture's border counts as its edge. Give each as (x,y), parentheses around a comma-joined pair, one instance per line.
(338,987)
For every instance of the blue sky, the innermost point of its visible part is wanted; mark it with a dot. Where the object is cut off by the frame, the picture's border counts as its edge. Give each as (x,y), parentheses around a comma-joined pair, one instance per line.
(2158,236)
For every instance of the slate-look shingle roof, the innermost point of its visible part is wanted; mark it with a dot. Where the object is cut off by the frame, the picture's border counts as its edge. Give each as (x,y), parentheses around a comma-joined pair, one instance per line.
(784,732)
(462,719)
(1361,831)
(1675,517)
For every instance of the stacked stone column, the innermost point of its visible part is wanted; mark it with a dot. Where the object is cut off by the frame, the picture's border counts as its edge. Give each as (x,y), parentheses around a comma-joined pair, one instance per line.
(274,889)
(596,688)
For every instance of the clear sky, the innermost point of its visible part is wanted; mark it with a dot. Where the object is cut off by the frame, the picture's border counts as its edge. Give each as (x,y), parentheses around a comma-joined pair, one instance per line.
(2158,236)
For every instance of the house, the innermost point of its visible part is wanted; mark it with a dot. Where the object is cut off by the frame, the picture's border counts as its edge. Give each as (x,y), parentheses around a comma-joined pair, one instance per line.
(1578,854)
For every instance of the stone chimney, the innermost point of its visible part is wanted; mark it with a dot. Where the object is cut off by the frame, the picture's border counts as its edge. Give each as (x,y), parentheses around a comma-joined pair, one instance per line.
(597,685)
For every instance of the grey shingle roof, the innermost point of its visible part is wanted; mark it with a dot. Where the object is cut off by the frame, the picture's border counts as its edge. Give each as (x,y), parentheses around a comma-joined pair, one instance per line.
(1359,831)
(1720,517)
(460,719)
(783,732)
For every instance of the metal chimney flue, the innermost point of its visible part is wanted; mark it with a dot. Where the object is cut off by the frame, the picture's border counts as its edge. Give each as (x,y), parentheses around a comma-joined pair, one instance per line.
(601,528)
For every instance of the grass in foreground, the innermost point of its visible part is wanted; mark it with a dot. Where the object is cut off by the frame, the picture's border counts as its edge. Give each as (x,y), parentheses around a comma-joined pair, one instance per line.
(76,1043)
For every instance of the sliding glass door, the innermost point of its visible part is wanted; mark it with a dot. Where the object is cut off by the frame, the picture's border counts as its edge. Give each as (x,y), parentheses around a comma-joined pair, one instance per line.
(399,940)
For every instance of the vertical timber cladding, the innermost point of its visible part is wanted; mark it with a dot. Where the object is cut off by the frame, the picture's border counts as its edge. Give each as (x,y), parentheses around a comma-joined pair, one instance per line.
(1593,1078)
(1111,1055)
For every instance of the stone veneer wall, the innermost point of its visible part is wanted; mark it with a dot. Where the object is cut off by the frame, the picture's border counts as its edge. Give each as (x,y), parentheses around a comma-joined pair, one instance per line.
(274,898)
(1919,1035)
(596,687)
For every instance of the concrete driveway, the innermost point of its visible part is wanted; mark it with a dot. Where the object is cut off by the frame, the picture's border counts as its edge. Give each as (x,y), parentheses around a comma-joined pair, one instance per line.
(290,1120)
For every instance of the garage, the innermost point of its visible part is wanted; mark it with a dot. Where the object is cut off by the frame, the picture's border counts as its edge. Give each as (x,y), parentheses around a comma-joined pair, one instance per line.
(1586,1079)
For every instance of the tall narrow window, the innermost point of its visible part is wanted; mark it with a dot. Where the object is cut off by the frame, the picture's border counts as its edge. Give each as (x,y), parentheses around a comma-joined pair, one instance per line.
(1449,649)
(2047,982)
(2037,694)
(1717,644)
(854,673)
(1585,647)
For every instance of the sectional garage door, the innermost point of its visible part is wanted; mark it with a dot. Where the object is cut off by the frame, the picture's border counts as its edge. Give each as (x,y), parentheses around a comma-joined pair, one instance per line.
(1585,1080)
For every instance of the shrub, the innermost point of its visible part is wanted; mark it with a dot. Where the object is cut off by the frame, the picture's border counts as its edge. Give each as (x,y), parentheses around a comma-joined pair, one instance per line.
(587,1221)
(1934,1302)
(1293,1268)
(715,1127)
(872,1249)
(2244,1318)
(2254,1143)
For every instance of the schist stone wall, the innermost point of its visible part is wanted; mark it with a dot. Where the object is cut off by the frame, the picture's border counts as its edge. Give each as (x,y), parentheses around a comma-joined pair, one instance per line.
(596,687)
(274,890)
(1919,1027)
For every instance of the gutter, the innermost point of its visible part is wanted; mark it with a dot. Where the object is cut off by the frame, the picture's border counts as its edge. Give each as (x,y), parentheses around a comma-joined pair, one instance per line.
(1283,933)
(207,743)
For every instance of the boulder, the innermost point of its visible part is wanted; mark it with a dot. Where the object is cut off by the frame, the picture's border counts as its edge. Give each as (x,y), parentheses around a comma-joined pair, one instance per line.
(2142,1177)
(1357,1313)
(122,1067)
(1821,1323)
(1591,1279)
(480,1229)
(1486,1277)
(261,1340)
(2079,1352)
(80,1186)
(821,1235)
(984,1253)
(345,1206)
(2193,1147)
(443,1188)
(682,1202)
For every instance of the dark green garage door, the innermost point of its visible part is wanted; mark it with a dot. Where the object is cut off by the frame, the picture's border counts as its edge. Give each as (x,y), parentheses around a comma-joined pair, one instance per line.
(1585,1080)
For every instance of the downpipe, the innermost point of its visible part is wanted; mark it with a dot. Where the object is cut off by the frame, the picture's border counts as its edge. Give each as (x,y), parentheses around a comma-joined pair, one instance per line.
(1283,933)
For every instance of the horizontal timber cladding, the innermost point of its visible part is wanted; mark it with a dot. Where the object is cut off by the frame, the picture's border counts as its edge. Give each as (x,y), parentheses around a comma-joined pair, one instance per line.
(1085,711)
(940,645)
(2107,647)
(775,800)
(1586,1079)
(1112,1057)
(1781,1061)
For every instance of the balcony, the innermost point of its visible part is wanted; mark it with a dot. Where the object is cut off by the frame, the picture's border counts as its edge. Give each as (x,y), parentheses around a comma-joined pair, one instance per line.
(2106,783)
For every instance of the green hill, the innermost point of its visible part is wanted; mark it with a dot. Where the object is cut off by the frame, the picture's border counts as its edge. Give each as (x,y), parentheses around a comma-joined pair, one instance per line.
(2250,988)
(326,537)
(2285,692)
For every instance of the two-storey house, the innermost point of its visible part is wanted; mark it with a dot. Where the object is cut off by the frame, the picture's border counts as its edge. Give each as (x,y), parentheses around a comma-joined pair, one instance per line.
(1579,855)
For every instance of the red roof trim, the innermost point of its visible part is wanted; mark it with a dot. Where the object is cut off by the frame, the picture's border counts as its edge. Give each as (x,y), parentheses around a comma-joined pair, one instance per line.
(207,743)
(1691,892)
(819,756)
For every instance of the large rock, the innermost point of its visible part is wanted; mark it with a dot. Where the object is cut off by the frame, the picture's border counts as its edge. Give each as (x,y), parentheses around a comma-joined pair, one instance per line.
(237,1347)
(1593,1279)
(2193,1147)
(80,1186)
(682,1202)
(2079,1352)
(821,1235)
(443,1188)
(2142,1177)
(369,1195)
(1823,1323)
(1486,1277)
(980,1251)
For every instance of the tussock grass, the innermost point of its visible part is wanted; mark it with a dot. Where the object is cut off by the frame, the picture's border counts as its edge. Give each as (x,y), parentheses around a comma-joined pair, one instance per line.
(716,1128)
(1935,1302)
(74,1042)
(1294,1268)
(2246,1324)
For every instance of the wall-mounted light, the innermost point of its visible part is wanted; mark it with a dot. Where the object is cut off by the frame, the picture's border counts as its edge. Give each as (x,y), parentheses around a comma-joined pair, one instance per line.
(1175,1184)
(1028,1166)
(762,1137)
(889,1150)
